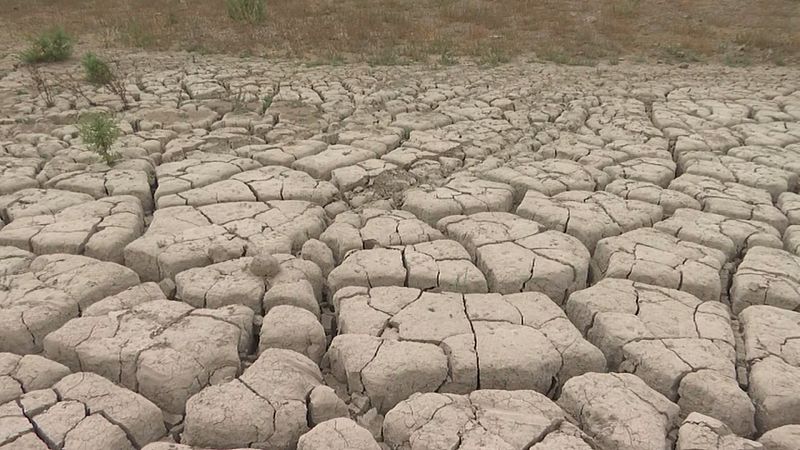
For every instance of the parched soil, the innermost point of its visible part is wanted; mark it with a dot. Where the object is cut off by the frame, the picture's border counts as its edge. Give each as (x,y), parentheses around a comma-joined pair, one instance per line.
(284,255)
(392,31)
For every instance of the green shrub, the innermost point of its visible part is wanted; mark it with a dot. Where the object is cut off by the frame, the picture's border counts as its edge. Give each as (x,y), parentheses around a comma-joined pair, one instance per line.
(97,71)
(251,11)
(50,46)
(100,73)
(99,132)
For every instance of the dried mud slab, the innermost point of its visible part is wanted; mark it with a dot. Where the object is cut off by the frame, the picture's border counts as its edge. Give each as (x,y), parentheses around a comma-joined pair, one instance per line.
(474,341)
(781,438)
(35,202)
(734,237)
(164,350)
(285,155)
(38,297)
(669,200)
(337,434)
(594,152)
(620,412)
(462,195)
(659,171)
(82,410)
(106,183)
(14,261)
(99,229)
(767,276)
(731,199)
(497,419)
(22,374)
(197,170)
(651,256)
(771,353)
(702,432)
(292,328)
(441,265)
(352,231)
(17,174)
(265,407)
(549,177)
(183,237)
(264,184)
(589,216)
(785,158)
(322,164)
(240,282)
(680,346)
(360,174)
(518,255)
(730,169)
(789,204)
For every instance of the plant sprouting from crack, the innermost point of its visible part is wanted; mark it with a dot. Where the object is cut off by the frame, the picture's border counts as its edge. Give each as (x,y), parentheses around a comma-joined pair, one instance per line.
(101,73)
(44,87)
(99,132)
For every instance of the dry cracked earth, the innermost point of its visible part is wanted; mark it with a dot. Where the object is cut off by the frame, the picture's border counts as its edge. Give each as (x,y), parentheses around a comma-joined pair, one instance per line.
(523,257)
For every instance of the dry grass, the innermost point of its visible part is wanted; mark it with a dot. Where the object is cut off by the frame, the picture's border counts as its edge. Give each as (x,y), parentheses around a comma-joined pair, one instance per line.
(398,31)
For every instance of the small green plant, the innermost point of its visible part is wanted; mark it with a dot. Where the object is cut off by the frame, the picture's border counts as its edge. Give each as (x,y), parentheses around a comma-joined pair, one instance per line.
(134,34)
(385,57)
(559,56)
(737,60)
(446,58)
(251,11)
(100,73)
(99,132)
(330,59)
(493,56)
(677,53)
(50,46)
(626,8)
(266,102)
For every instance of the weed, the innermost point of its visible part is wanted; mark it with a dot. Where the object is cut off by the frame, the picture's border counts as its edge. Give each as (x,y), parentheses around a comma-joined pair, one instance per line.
(133,34)
(677,53)
(172,18)
(251,11)
(100,73)
(559,56)
(238,102)
(626,8)
(385,57)
(332,59)
(494,56)
(99,132)
(42,85)
(266,101)
(737,60)
(50,46)
(75,86)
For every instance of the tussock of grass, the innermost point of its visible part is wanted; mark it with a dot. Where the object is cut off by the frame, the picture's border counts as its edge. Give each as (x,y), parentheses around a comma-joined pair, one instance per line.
(98,71)
(50,46)
(251,11)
